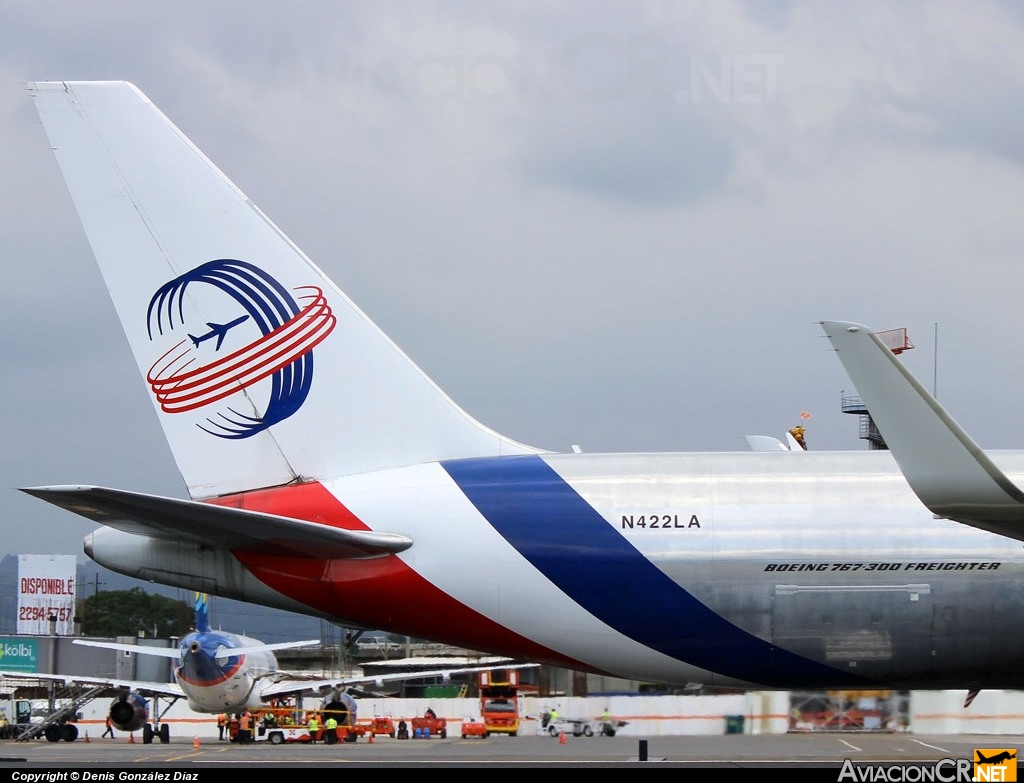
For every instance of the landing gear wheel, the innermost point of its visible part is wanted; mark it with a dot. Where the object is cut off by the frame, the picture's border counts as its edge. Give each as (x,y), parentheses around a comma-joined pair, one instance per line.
(147,734)
(165,734)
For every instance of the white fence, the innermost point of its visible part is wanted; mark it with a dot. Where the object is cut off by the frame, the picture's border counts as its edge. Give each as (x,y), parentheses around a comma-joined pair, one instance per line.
(759,712)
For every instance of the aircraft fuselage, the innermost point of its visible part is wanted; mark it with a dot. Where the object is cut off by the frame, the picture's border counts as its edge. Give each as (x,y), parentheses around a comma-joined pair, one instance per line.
(778,569)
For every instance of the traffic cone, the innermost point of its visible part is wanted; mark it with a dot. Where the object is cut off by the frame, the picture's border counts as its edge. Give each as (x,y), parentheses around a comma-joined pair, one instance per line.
(195,742)
(131,738)
(561,738)
(371,738)
(86,736)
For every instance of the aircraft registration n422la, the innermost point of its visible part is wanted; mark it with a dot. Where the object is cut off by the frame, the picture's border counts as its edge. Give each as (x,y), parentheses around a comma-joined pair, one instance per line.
(323,466)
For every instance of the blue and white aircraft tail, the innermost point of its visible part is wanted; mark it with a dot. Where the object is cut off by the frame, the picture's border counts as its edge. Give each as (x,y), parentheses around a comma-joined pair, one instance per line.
(327,474)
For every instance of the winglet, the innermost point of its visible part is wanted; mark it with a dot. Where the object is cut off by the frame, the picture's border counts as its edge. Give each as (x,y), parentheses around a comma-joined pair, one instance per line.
(947,470)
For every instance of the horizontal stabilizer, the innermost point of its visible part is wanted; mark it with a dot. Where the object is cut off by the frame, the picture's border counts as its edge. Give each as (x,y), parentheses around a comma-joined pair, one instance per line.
(947,470)
(218,526)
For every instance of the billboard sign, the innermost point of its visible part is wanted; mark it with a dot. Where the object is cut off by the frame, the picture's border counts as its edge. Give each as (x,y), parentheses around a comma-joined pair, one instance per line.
(46,594)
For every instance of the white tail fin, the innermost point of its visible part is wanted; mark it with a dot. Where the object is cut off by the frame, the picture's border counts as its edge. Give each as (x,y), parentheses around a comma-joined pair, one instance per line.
(261,370)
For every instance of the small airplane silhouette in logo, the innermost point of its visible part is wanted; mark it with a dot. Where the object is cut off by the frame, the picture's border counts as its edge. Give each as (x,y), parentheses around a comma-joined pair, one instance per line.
(996,759)
(218,331)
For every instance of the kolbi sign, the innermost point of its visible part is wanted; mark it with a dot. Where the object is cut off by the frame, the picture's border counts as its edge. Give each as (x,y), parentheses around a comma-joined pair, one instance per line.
(46,594)
(19,655)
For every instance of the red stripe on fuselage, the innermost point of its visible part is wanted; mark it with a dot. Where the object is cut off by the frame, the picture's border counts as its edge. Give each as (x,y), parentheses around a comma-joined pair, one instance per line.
(382,593)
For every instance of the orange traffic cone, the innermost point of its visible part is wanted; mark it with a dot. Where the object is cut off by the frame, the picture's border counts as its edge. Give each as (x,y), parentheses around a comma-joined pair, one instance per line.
(371,738)
(87,736)
(131,738)
(195,742)
(561,738)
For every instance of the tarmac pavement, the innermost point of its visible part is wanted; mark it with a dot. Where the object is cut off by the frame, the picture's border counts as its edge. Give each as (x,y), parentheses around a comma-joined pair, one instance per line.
(821,751)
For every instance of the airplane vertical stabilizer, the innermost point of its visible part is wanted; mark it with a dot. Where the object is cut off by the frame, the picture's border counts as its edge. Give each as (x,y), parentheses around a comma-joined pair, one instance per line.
(202,612)
(261,370)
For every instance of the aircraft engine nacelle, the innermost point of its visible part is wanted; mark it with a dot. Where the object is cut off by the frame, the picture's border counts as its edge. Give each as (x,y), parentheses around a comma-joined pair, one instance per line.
(129,712)
(340,706)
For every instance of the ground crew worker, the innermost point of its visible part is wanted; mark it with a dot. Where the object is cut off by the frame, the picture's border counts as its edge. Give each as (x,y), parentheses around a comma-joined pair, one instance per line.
(245,728)
(5,726)
(798,435)
(222,723)
(330,729)
(233,727)
(314,727)
(110,729)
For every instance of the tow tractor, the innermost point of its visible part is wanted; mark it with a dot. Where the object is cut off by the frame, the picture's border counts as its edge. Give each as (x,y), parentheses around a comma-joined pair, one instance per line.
(577,727)
(580,727)
(285,722)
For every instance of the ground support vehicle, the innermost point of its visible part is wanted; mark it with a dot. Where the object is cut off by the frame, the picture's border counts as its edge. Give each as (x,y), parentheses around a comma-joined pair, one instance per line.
(474,727)
(277,735)
(499,702)
(286,722)
(580,727)
(575,727)
(429,726)
(18,714)
(375,726)
(608,728)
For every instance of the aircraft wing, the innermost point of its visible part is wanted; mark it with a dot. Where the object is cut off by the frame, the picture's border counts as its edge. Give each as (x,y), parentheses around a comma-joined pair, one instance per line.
(947,470)
(205,523)
(164,689)
(295,684)
(175,653)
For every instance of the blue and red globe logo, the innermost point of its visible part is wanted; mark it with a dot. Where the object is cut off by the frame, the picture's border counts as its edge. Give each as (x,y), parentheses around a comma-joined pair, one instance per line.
(252,369)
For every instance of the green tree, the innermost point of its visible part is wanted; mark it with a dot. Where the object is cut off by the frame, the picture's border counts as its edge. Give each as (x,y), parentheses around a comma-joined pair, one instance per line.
(127,612)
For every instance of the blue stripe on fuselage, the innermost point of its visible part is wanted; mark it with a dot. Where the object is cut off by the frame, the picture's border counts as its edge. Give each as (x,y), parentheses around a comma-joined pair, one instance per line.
(567,540)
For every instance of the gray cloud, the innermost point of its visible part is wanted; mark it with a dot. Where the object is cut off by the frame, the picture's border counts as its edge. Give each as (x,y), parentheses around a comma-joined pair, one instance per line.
(590,224)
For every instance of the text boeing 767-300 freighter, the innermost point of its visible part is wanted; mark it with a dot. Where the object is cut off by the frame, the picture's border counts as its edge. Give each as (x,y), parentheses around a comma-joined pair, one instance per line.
(327,474)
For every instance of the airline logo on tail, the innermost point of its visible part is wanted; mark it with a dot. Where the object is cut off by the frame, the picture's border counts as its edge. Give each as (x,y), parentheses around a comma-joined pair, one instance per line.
(262,350)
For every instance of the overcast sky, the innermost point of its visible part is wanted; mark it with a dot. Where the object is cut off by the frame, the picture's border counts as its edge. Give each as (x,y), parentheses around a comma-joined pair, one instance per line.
(608,224)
